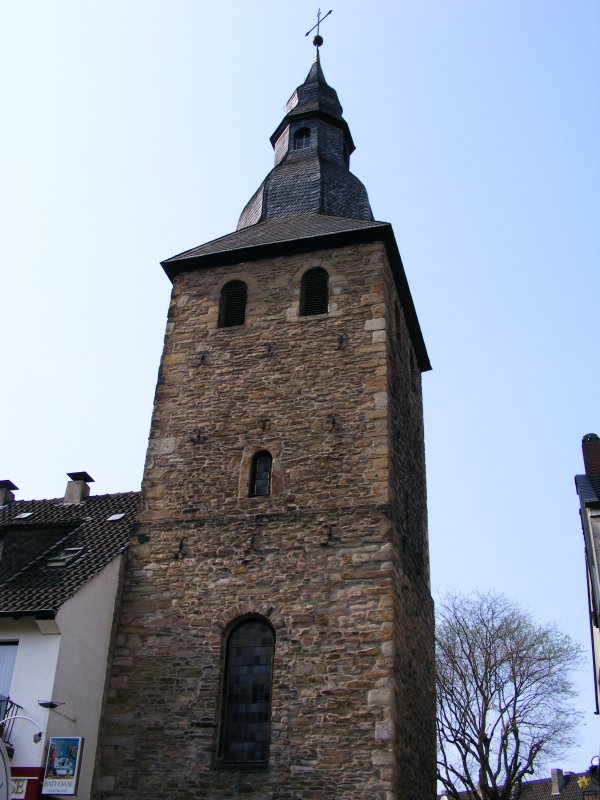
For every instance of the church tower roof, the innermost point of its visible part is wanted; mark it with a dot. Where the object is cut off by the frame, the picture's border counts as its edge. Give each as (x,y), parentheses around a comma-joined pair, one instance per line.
(309,201)
(312,147)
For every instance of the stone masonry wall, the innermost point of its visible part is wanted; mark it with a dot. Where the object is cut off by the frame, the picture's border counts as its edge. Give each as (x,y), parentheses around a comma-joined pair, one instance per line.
(323,557)
(413,619)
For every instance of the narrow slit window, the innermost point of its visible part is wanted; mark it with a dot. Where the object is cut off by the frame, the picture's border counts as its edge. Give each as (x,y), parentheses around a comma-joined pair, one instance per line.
(247,689)
(302,139)
(232,307)
(260,482)
(397,321)
(314,292)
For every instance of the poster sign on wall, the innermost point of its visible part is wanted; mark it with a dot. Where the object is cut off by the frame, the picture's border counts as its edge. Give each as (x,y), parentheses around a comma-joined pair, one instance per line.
(18,788)
(62,765)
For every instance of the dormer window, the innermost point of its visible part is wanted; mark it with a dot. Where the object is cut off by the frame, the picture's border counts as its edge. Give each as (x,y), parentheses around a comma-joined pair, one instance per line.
(302,139)
(63,557)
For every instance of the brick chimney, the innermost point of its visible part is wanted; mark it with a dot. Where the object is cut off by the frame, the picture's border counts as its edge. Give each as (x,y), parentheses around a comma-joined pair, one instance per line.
(558,781)
(6,492)
(77,488)
(590,444)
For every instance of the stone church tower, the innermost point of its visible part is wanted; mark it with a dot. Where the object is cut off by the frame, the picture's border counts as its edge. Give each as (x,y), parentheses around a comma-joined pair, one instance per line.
(275,638)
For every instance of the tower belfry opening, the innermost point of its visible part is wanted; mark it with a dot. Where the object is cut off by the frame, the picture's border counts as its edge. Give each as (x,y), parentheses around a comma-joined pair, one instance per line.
(287,650)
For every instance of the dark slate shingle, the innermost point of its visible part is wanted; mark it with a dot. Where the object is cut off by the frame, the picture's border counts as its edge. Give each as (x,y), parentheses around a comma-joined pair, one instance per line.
(542,789)
(588,488)
(275,232)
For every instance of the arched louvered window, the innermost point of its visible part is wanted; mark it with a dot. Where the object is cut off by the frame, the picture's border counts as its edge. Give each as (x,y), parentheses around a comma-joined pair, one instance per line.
(302,139)
(232,307)
(260,479)
(314,292)
(246,718)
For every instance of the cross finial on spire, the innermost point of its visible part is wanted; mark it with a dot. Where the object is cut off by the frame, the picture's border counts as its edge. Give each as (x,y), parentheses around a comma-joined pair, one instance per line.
(318,39)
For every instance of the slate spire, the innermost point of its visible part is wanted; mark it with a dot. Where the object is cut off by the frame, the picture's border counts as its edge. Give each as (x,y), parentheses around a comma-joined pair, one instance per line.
(312,147)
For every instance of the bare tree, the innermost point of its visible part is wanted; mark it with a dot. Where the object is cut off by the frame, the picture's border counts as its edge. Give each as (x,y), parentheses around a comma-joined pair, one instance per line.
(503,695)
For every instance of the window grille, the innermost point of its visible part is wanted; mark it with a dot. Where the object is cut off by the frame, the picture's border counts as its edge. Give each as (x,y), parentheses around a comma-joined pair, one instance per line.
(302,139)
(260,484)
(232,308)
(314,292)
(247,693)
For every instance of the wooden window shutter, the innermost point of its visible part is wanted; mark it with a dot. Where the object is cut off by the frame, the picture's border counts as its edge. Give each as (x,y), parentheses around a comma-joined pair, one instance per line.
(232,308)
(314,292)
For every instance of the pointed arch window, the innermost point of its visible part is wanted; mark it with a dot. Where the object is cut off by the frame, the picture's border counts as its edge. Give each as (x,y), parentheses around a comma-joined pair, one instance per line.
(302,139)
(247,689)
(232,306)
(314,292)
(260,478)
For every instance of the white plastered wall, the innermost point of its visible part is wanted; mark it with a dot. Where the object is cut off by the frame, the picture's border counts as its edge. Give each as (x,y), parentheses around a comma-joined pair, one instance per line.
(67,664)
(32,680)
(86,624)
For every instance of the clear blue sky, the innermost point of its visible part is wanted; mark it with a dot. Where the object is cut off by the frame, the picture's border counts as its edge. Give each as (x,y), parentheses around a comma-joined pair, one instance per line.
(135,130)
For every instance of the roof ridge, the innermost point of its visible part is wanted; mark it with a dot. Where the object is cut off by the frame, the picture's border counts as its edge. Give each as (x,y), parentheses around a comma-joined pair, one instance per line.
(60,500)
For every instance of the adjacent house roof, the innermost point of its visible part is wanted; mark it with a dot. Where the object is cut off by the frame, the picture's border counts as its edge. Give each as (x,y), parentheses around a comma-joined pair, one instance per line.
(570,786)
(569,790)
(49,549)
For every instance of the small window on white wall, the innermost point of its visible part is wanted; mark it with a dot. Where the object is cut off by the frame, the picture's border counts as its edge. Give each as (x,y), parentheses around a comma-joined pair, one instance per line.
(8,654)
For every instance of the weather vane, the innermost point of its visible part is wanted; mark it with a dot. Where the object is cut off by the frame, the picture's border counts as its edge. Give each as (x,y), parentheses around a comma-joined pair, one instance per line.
(318,39)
